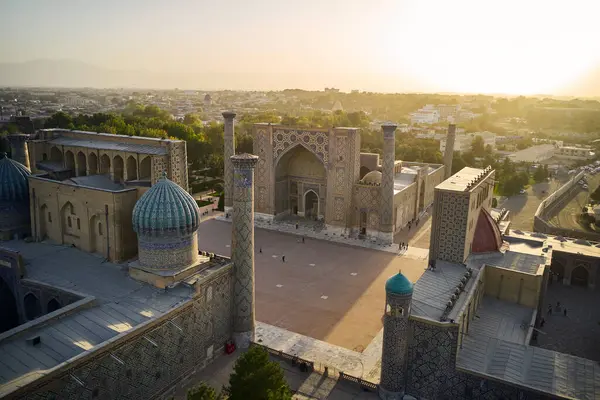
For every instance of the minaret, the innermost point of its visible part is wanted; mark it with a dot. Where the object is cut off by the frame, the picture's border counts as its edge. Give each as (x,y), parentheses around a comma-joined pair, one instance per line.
(229,149)
(398,297)
(449,152)
(242,248)
(387,183)
(18,148)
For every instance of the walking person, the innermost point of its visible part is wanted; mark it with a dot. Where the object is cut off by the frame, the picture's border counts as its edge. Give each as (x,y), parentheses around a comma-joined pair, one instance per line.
(549,308)
(565,311)
(282,258)
(542,322)
(260,250)
(302,239)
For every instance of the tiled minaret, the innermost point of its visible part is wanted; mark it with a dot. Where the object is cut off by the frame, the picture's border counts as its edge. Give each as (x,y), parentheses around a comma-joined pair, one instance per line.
(242,248)
(387,183)
(229,150)
(398,298)
(449,152)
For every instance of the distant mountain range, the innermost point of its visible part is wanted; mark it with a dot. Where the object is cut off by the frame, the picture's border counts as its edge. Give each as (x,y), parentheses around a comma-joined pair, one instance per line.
(77,74)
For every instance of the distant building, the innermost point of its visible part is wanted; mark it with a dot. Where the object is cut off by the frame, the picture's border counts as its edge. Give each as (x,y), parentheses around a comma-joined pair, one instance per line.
(534,154)
(448,111)
(426,115)
(574,153)
(207,100)
(463,142)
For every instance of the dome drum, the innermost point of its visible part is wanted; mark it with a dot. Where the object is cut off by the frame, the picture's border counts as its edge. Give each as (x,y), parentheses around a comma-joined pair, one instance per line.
(168,252)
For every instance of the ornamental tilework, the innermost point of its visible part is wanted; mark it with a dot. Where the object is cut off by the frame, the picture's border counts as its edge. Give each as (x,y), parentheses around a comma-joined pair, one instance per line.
(338,209)
(148,370)
(243,247)
(395,339)
(315,141)
(449,226)
(340,180)
(431,371)
(341,148)
(387,186)
(229,150)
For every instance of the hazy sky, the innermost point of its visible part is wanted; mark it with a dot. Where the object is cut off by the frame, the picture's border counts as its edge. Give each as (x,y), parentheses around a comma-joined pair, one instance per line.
(501,46)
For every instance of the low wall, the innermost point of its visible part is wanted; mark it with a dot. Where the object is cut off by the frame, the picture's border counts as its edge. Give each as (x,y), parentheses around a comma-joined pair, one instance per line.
(553,204)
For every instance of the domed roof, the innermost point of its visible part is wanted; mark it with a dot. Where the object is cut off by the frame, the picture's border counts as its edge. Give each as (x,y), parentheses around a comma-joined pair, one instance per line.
(399,284)
(373,177)
(165,208)
(488,237)
(13,180)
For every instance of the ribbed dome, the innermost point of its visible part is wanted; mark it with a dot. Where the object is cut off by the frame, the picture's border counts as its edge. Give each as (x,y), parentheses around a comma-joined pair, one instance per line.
(165,208)
(399,284)
(372,178)
(13,180)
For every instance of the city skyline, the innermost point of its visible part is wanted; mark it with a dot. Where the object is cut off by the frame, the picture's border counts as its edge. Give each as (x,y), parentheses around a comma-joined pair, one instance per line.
(383,46)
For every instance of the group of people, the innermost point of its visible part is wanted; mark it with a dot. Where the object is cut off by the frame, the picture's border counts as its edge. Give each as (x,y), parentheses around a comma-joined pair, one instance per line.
(558,309)
(403,246)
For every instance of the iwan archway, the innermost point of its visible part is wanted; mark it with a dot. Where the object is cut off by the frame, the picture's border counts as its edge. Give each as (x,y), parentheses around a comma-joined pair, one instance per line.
(300,184)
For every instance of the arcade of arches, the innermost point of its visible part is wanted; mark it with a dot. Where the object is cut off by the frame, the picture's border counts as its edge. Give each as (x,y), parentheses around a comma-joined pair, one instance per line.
(570,270)
(121,167)
(300,184)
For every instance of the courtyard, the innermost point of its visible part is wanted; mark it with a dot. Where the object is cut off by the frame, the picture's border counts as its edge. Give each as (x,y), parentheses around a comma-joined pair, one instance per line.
(576,333)
(328,291)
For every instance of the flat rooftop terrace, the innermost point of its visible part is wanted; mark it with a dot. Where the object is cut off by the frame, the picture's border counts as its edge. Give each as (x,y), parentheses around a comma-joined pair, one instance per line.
(460,180)
(119,305)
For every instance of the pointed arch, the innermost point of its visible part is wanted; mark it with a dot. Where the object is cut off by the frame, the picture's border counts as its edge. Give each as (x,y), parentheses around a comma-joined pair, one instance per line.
(56,155)
(93,163)
(145,169)
(131,169)
(53,305)
(105,165)
(118,169)
(32,306)
(70,160)
(81,164)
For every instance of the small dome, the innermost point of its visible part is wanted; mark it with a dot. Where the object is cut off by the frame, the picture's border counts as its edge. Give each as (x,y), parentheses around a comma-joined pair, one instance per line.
(13,180)
(398,284)
(488,237)
(165,208)
(373,177)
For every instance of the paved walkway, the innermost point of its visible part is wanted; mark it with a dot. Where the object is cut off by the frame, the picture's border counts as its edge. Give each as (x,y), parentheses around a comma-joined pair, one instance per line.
(323,354)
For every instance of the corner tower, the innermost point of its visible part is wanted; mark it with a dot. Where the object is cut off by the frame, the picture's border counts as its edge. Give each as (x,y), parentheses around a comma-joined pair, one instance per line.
(449,152)
(18,148)
(229,150)
(387,183)
(398,297)
(242,248)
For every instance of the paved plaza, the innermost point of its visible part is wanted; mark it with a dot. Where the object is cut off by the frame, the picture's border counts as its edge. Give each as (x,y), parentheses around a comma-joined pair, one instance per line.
(324,290)
(576,333)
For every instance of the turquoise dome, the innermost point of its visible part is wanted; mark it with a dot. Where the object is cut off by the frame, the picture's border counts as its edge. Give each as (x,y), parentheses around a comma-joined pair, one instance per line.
(398,284)
(14,185)
(166,208)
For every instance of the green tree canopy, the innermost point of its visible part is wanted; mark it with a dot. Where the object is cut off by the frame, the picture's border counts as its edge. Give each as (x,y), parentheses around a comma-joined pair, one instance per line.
(202,392)
(255,377)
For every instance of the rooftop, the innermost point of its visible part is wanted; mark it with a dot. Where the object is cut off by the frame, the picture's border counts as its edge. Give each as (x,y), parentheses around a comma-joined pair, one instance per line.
(460,180)
(120,305)
(106,145)
(496,347)
(108,135)
(96,181)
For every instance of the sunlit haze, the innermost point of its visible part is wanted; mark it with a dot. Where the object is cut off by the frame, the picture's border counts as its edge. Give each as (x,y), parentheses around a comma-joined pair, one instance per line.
(508,46)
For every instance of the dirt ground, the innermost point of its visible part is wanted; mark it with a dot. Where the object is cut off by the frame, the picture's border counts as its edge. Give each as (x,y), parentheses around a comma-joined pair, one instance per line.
(324,290)
(568,217)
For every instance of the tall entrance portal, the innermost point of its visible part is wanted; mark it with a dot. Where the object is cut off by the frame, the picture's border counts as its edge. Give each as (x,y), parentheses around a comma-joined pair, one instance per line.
(300,184)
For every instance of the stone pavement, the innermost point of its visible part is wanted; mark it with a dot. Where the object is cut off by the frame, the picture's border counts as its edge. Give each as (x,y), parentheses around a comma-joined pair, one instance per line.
(310,231)
(577,333)
(323,354)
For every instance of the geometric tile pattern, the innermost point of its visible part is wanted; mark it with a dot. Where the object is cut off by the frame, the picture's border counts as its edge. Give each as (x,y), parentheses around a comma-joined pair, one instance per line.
(154,357)
(243,244)
(314,141)
(395,335)
(264,168)
(451,213)
(431,371)
(387,179)
(229,150)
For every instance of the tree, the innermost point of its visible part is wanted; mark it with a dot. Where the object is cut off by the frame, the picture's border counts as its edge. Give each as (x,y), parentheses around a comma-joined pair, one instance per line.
(202,392)
(59,120)
(221,203)
(255,377)
(478,147)
(494,202)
